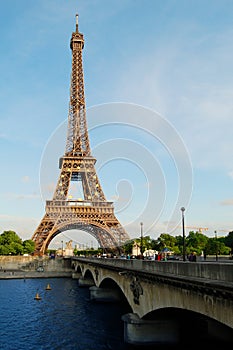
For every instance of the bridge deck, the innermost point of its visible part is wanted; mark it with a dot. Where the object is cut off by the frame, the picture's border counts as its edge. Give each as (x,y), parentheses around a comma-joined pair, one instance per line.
(214,276)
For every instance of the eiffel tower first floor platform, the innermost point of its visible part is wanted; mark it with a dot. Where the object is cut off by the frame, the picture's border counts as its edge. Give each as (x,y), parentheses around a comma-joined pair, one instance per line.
(96,218)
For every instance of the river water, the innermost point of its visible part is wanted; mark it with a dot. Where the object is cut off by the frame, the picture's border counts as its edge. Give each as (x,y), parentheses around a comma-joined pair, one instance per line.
(64,318)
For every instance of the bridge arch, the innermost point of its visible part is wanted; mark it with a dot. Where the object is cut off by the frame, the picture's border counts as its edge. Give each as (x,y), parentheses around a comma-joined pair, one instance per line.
(190,323)
(89,275)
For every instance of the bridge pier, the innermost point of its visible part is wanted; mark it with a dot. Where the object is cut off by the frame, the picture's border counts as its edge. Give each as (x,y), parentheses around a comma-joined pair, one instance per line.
(76,275)
(148,332)
(104,294)
(85,282)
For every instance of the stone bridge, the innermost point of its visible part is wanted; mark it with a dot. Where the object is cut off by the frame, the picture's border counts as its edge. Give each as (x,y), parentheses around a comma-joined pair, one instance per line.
(168,301)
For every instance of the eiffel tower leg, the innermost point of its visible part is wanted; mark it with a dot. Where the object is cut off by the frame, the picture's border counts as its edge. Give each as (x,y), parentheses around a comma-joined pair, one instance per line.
(40,236)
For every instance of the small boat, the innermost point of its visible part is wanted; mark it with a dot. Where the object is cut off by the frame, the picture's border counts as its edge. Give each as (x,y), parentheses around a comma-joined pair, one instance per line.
(48,287)
(37,297)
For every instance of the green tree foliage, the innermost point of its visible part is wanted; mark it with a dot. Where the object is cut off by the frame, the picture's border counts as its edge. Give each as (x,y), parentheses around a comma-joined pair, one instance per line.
(229,241)
(155,245)
(8,237)
(28,246)
(128,246)
(4,250)
(88,252)
(215,246)
(194,242)
(146,242)
(179,245)
(168,241)
(12,244)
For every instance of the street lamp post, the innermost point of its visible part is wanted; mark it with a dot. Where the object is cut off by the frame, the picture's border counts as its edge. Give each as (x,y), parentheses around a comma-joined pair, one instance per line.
(61,248)
(141,245)
(183,230)
(216,243)
(120,250)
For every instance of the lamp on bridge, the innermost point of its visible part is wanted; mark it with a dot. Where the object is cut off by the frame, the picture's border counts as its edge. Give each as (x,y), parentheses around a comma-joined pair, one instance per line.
(61,248)
(141,245)
(183,231)
(216,243)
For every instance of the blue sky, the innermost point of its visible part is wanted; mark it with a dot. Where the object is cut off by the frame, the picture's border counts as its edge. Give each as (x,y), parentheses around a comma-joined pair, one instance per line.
(170,58)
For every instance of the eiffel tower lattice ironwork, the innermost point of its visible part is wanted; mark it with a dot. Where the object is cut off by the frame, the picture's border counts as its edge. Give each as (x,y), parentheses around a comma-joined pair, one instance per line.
(92,213)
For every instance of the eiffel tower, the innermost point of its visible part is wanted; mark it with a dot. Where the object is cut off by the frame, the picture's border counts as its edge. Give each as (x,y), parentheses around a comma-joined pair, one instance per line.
(92,213)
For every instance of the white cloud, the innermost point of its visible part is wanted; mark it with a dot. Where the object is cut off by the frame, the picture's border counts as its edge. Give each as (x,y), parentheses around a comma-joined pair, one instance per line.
(227,202)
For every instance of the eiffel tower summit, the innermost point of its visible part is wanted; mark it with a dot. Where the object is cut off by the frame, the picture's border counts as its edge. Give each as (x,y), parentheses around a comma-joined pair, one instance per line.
(92,213)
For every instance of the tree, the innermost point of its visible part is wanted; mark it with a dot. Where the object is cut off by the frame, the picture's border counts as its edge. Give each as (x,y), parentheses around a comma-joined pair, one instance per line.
(216,247)
(146,242)
(28,246)
(11,243)
(128,246)
(166,240)
(196,241)
(4,250)
(16,248)
(8,237)
(229,241)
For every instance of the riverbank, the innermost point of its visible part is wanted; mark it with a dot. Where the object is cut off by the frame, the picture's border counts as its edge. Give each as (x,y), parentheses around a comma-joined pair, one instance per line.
(16,274)
(21,267)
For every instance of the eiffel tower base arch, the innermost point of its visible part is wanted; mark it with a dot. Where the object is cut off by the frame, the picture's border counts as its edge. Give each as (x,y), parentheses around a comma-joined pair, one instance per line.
(98,221)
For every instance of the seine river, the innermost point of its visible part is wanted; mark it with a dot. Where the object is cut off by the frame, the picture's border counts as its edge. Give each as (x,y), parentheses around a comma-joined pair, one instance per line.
(63,319)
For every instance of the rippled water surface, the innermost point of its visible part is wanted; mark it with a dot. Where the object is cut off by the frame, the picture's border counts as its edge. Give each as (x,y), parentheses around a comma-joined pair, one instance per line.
(64,318)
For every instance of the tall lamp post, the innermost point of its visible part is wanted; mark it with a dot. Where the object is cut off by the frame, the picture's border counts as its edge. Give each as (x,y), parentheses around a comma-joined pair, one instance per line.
(216,242)
(141,245)
(183,231)
(61,248)
(120,249)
